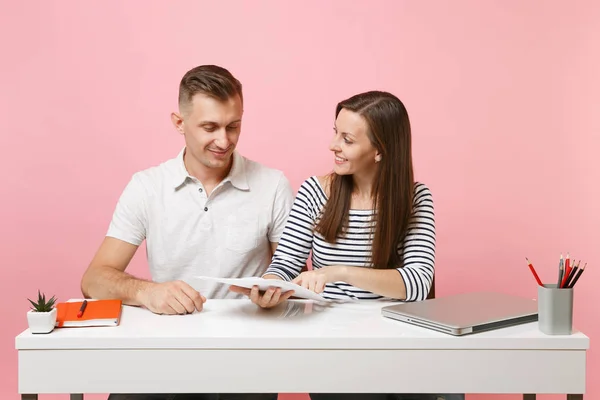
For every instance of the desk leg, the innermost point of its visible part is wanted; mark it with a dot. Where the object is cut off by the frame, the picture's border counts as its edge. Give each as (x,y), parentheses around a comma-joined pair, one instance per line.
(529,397)
(574,397)
(29,397)
(76,396)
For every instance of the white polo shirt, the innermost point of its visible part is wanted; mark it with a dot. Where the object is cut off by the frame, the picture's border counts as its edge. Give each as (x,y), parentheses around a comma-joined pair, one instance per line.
(188,233)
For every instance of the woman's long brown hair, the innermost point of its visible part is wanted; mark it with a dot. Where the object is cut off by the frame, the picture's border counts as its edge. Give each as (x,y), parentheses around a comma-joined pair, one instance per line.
(393,187)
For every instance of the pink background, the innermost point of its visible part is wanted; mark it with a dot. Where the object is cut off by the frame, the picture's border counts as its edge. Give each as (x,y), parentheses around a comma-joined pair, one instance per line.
(503,98)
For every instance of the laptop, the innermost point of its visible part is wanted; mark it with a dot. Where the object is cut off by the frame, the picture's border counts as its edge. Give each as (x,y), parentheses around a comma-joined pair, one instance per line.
(465,313)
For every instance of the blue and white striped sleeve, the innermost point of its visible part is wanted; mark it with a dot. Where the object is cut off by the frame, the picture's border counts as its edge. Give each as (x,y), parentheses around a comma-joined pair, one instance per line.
(296,241)
(418,247)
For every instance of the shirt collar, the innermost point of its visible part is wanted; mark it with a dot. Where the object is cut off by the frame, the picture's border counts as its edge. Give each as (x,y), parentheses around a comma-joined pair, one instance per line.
(237,175)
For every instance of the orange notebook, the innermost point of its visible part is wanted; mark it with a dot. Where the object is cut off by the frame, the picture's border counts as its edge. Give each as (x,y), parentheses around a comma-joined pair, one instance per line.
(96,313)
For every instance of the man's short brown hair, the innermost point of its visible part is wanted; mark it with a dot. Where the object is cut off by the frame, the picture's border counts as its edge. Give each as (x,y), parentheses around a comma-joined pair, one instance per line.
(211,80)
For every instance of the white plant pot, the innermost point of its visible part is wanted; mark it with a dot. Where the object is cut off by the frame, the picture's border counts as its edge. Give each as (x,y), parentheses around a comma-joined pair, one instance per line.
(41,322)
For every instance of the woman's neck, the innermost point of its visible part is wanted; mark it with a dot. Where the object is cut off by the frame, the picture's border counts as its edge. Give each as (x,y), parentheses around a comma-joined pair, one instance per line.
(362,193)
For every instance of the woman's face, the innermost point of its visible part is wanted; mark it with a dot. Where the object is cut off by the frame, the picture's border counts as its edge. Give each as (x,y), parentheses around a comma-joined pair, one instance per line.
(353,151)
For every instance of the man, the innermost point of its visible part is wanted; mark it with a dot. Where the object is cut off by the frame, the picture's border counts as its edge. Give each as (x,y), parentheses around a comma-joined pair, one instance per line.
(209,211)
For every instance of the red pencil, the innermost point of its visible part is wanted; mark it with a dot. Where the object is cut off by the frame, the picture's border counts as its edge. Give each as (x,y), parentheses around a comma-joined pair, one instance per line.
(537,278)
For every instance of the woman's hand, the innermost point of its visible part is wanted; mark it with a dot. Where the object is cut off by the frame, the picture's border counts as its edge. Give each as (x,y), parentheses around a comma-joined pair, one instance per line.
(316,280)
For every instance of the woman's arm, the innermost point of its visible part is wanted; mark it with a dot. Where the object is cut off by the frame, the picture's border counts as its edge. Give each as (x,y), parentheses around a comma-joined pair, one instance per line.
(384,282)
(418,248)
(412,281)
(293,249)
(297,237)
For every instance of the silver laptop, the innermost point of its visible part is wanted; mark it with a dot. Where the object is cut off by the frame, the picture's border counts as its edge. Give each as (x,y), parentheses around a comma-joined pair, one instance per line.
(465,313)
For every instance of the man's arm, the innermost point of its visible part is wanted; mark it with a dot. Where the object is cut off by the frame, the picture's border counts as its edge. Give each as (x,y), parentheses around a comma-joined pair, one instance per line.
(271,276)
(106,277)
(273,247)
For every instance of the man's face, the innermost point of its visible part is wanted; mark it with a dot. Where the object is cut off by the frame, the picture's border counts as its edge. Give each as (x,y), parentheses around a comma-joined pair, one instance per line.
(211,128)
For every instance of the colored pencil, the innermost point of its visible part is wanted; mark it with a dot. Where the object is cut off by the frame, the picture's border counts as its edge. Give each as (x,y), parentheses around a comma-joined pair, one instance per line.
(577,276)
(537,278)
(572,274)
(560,271)
(567,271)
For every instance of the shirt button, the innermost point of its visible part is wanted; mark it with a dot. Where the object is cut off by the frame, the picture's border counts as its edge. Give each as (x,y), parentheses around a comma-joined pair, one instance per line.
(205,208)
(200,190)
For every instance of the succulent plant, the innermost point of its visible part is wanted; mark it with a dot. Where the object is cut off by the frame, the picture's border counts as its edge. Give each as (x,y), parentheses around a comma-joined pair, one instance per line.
(42,305)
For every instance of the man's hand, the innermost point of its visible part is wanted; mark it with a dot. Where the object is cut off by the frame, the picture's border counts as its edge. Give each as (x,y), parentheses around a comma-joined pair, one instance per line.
(316,280)
(175,297)
(270,298)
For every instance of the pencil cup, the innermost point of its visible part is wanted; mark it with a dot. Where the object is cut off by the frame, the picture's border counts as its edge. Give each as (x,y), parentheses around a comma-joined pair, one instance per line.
(555,310)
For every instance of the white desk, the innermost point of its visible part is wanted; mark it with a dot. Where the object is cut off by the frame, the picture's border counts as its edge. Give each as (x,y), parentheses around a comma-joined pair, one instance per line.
(233,346)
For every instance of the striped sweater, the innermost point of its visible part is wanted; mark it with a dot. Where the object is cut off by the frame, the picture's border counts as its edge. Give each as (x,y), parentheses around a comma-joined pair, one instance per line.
(299,238)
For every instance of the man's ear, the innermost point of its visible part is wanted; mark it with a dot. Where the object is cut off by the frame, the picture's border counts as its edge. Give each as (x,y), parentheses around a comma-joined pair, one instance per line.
(177,122)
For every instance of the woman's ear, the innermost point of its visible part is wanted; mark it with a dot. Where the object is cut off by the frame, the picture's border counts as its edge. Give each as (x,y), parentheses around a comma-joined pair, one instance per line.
(378,157)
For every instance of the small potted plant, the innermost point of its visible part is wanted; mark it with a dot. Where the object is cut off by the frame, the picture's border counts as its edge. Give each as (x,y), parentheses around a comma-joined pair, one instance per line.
(42,316)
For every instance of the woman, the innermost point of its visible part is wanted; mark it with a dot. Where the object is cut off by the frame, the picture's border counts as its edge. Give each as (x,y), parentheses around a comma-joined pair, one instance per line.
(370,227)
